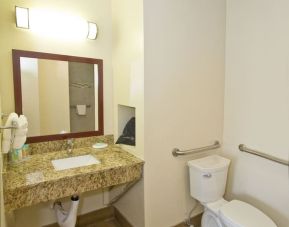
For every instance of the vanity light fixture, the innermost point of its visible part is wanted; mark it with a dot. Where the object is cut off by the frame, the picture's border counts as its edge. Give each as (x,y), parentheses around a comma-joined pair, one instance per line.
(55,24)
(92,30)
(22,17)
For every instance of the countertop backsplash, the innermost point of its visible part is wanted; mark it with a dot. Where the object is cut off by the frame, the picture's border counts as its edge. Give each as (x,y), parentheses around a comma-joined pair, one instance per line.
(58,145)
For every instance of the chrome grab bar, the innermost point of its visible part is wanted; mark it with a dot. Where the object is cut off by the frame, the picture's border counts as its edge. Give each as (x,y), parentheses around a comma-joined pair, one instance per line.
(243,148)
(176,152)
(9,127)
(13,126)
(3,115)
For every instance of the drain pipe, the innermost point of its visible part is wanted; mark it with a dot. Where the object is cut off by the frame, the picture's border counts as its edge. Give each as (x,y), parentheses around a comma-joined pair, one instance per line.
(64,218)
(125,190)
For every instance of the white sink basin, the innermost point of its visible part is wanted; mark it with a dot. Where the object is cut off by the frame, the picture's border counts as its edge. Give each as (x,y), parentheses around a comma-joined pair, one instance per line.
(74,162)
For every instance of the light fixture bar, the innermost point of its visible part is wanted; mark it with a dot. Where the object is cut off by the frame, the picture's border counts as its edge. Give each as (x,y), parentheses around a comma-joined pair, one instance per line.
(22,17)
(55,24)
(92,30)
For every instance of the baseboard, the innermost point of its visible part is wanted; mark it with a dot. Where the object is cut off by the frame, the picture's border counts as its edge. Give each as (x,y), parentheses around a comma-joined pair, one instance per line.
(121,219)
(196,221)
(107,213)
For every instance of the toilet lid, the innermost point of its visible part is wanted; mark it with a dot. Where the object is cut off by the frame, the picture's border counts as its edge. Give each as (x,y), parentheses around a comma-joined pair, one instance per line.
(240,214)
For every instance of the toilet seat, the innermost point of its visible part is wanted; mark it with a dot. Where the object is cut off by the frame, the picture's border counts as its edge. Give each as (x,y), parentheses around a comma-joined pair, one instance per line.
(234,214)
(215,206)
(240,214)
(210,219)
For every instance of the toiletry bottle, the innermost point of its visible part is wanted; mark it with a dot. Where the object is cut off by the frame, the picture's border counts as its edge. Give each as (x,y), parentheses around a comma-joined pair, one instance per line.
(13,156)
(25,151)
(19,153)
(16,155)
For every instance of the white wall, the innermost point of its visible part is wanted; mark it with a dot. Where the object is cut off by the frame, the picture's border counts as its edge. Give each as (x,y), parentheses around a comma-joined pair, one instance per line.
(184,78)
(127,21)
(256,103)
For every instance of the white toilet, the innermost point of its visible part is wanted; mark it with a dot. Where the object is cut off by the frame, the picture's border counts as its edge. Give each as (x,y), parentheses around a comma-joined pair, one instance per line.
(208,178)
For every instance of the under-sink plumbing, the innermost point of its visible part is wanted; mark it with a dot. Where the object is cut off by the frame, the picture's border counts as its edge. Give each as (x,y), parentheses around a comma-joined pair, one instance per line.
(66,218)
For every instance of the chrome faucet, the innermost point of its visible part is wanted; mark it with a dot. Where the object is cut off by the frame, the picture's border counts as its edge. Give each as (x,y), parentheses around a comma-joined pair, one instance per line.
(69,144)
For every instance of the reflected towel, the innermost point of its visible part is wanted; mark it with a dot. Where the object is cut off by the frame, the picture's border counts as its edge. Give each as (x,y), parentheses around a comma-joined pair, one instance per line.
(81,109)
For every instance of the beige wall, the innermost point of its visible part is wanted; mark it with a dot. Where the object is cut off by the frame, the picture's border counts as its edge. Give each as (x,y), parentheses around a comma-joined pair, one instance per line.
(184,78)
(53,97)
(127,20)
(256,103)
(98,11)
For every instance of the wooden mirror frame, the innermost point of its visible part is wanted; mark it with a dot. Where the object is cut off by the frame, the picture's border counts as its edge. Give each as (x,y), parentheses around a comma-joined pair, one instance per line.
(17,54)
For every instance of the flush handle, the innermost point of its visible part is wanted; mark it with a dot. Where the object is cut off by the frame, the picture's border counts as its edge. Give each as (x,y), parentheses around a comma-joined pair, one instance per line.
(207,175)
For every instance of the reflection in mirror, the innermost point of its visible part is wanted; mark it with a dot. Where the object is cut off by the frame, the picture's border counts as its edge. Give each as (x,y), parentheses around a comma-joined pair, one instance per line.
(60,95)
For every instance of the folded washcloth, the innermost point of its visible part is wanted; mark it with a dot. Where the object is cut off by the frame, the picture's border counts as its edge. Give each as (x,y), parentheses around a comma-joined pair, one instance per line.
(13,117)
(19,134)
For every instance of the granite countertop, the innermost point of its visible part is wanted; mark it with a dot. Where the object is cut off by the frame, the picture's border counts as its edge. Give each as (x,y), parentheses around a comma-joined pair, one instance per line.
(35,180)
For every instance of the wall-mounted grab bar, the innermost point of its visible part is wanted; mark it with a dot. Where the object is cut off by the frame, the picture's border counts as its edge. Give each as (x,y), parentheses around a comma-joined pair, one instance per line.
(243,148)
(13,126)
(9,127)
(176,152)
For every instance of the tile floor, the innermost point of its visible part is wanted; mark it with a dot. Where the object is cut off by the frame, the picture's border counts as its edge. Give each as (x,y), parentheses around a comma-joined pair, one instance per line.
(105,223)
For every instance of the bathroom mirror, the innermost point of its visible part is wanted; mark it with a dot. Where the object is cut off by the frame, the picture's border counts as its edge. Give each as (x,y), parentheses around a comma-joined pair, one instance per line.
(62,96)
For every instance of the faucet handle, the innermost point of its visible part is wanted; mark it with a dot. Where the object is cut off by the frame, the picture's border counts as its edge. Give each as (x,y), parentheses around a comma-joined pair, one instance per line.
(70,141)
(69,145)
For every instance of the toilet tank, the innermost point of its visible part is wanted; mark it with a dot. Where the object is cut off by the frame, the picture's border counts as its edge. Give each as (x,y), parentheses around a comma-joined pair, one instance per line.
(208,177)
